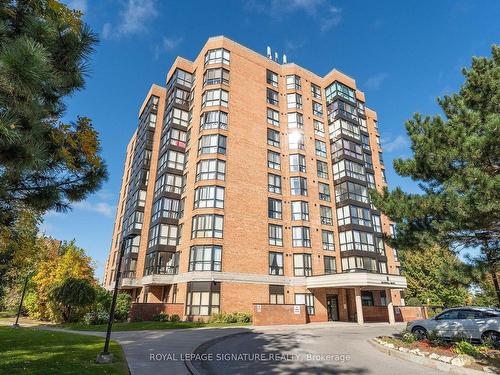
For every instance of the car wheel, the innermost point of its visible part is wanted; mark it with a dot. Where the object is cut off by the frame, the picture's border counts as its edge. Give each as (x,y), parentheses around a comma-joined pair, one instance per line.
(420,333)
(491,336)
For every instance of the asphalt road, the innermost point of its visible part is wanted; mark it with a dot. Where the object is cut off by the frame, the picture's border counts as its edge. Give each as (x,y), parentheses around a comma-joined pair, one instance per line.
(325,350)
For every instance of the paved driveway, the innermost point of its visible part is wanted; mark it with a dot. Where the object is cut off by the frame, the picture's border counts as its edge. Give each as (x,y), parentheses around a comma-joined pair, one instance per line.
(338,349)
(326,348)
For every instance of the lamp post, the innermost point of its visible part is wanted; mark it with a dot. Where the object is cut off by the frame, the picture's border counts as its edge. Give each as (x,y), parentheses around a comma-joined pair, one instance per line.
(16,324)
(105,356)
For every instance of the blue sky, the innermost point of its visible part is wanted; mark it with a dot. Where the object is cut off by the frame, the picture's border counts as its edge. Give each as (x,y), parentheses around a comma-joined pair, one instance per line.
(403,54)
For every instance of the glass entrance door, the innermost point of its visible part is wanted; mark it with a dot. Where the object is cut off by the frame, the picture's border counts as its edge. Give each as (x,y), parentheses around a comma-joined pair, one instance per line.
(332,306)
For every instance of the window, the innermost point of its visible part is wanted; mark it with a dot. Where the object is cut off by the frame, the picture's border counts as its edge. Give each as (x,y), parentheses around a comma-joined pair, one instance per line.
(162,263)
(350,264)
(377,224)
(302,265)
(169,183)
(350,190)
(276,294)
(205,258)
(339,89)
(271,78)
(324,192)
(209,196)
(320,148)
(274,183)
(327,239)
(210,169)
(368,161)
(272,97)
(207,226)
(174,137)
(315,91)
(215,97)
(354,215)
(330,265)
(367,298)
(356,240)
(212,144)
(203,298)
(380,158)
(275,233)
(294,100)
(297,163)
(163,234)
(217,56)
(366,142)
(317,109)
(179,96)
(177,116)
(326,215)
(132,244)
(383,297)
(295,120)
(298,186)
(135,220)
(380,248)
(183,78)
(343,147)
(300,210)
(172,159)
(343,127)
(392,230)
(273,117)
(301,237)
(274,208)
(382,267)
(384,178)
(166,207)
(213,120)
(273,138)
(216,76)
(371,180)
(275,263)
(348,168)
(273,160)
(295,141)
(305,299)
(293,82)
(319,128)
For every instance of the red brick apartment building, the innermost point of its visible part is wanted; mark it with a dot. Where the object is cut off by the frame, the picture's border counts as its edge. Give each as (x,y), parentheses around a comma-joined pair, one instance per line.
(246,185)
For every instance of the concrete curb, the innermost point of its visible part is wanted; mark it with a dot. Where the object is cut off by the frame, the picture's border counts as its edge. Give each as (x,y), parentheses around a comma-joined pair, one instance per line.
(424,361)
(205,345)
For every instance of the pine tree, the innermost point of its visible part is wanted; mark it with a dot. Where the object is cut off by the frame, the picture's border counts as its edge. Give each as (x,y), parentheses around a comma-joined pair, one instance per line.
(44,163)
(456,162)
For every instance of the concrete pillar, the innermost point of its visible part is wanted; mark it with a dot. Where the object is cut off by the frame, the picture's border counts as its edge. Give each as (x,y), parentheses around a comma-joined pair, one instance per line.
(359,305)
(390,306)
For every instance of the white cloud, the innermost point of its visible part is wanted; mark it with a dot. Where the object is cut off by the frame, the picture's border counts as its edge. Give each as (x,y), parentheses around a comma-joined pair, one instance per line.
(102,208)
(77,5)
(374,82)
(322,11)
(396,144)
(134,19)
(167,45)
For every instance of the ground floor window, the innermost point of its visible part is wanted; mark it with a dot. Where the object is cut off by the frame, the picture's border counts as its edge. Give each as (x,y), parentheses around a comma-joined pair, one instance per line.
(276,294)
(305,299)
(203,298)
(367,298)
(383,298)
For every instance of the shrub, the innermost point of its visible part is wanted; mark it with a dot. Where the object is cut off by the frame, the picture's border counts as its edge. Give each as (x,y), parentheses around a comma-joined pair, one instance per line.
(175,318)
(72,295)
(161,317)
(233,317)
(96,317)
(122,309)
(435,338)
(408,337)
(413,301)
(465,347)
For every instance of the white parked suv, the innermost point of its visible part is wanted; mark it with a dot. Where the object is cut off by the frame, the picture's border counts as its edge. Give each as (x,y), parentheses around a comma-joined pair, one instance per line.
(474,323)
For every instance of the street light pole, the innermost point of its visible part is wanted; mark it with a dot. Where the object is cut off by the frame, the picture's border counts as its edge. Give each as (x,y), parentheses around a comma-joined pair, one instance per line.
(105,356)
(16,324)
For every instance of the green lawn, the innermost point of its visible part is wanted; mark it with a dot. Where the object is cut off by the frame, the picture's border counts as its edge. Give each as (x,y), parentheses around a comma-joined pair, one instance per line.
(138,326)
(7,314)
(32,351)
